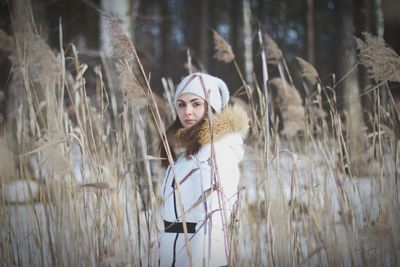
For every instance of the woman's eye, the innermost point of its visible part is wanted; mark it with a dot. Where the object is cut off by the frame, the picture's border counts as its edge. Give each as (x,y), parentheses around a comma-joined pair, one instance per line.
(181,105)
(195,104)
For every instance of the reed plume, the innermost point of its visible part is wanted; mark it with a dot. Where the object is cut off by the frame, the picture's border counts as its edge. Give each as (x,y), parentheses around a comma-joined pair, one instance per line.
(311,82)
(43,64)
(224,53)
(127,66)
(133,92)
(307,72)
(381,61)
(120,43)
(290,105)
(273,52)
(223,49)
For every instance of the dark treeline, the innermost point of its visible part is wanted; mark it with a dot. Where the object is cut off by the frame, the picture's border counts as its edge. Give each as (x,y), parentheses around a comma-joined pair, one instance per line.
(164,32)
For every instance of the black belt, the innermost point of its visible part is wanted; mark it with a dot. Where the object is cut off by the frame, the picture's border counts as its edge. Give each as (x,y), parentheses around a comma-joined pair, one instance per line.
(177,227)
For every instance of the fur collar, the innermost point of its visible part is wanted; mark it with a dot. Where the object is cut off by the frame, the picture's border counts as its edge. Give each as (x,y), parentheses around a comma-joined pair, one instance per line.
(232,119)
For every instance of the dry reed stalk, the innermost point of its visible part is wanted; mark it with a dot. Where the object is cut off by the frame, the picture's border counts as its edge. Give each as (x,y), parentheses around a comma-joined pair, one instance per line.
(265,103)
(161,130)
(55,163)
(128,51)
(97,185)
(189,66)
(290,105)
(280,230)
(83,240)
(88,231)
(376,237)
(168,95)
(381,61)
(7,163)
(53,160)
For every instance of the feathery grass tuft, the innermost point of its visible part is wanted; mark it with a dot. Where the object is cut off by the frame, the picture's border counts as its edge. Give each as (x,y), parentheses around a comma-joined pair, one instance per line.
(132,90)
(224,50)
(119,42)
(273,52)
(42,62)
(307,71)
(290,105)
(382,62)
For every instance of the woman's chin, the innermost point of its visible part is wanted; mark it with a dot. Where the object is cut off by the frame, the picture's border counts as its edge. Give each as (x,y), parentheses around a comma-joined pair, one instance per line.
(189,124)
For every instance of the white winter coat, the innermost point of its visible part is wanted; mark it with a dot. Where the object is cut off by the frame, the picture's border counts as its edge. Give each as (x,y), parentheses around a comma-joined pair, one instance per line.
(207,190)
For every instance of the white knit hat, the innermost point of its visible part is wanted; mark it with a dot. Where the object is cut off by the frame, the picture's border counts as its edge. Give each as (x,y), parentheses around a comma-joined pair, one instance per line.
(201,84)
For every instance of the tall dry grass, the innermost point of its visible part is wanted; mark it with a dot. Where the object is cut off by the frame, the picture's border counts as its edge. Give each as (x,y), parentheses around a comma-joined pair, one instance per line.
(91,172)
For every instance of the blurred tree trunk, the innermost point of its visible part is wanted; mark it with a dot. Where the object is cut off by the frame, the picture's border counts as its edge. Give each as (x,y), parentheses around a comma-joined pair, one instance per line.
(191,13)
(79,22)
(248,49)
(356,136)
(205,35)
(90,28)
(375,25)
(261,11)
(375,18)
(165,25)
(233,26)
(310,32)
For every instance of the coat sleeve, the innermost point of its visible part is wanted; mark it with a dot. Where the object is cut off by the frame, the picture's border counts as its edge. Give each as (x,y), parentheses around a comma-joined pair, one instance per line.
(228,154)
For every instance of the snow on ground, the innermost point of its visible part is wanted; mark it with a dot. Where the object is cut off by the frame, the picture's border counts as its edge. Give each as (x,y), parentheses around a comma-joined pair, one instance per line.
(309,192)
(108,225)
(76,226)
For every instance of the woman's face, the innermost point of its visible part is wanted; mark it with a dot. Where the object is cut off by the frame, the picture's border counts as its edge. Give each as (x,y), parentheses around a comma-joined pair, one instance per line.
(190,109)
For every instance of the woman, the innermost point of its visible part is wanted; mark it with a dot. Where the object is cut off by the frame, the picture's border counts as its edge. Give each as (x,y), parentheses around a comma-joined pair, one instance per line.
(200,187)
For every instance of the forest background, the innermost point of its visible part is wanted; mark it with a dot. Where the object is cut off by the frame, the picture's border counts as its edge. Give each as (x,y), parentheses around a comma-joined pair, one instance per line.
(321,32)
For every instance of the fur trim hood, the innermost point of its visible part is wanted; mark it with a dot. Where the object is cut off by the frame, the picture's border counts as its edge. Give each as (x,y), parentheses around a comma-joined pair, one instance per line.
(232,119)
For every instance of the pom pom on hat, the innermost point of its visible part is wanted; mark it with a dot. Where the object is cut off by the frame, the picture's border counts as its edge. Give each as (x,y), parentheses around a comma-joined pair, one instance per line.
(201,84)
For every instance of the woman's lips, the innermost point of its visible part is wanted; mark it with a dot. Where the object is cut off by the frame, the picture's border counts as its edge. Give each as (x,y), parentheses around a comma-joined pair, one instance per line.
(190,121)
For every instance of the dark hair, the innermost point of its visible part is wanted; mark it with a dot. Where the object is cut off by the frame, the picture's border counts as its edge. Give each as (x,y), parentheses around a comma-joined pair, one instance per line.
(170,132)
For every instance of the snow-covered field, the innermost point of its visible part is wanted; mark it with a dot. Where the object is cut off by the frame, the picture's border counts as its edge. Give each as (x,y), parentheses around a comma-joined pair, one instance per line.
(307,213)
(300,212)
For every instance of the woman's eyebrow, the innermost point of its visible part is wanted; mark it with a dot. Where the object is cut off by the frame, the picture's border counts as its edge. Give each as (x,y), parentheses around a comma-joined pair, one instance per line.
(192,100)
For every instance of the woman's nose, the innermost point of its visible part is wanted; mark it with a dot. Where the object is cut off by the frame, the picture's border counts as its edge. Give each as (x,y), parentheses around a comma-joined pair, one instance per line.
(188,110)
